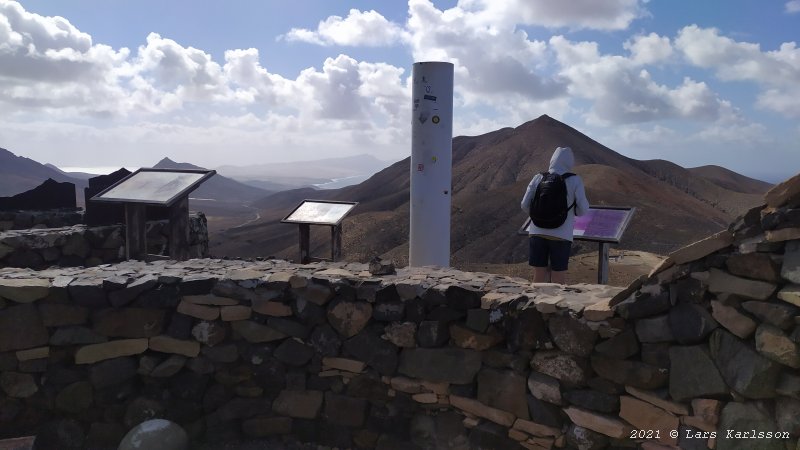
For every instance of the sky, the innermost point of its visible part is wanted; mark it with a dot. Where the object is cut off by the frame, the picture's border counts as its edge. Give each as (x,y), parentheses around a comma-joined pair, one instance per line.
(99,83)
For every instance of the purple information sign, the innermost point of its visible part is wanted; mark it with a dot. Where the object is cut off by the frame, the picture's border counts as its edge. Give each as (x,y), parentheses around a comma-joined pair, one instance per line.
(606,224)
(600,223)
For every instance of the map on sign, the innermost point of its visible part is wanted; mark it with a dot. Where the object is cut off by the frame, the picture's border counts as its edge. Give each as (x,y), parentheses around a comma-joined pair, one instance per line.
(154,186)
(600,223)
(320,212)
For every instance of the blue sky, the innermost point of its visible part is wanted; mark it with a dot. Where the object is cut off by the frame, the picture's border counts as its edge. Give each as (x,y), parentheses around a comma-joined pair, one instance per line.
(98,83)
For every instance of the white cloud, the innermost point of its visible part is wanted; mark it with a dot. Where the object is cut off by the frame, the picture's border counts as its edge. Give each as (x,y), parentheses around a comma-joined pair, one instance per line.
(488,61)
(603,15)
(776,71)
(359,28)
(792,6)
(650,49)
(622,91)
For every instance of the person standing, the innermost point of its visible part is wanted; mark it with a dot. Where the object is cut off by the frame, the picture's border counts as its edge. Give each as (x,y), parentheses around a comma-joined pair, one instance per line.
(553,199)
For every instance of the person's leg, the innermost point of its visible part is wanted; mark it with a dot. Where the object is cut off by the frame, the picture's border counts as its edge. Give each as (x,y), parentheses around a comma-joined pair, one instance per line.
(541,275)
(538,255)
(559,261)
(558,276)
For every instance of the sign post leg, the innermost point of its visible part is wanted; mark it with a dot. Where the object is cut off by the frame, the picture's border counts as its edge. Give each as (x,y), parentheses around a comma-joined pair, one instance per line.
(135,231)
(305,243)
(336,242)
(602,263)
(179,230)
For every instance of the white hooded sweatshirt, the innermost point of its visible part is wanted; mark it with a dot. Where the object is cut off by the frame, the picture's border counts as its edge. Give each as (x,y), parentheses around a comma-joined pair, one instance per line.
(561,162)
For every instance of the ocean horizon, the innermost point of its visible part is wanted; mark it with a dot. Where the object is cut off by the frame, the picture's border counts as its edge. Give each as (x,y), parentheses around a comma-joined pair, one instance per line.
(98,170)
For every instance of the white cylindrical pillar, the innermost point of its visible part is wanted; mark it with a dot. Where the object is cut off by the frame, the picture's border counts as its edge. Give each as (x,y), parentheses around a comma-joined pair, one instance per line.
(431,163)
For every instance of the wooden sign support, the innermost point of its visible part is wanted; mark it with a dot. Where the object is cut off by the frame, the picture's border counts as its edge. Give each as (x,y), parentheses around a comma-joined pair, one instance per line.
(602,263)
(135,231)
(320,212)
(305,244)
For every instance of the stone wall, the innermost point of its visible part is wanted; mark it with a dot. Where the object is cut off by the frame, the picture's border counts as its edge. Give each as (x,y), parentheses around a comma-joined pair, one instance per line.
(705,347)
(79,245)
(54,218)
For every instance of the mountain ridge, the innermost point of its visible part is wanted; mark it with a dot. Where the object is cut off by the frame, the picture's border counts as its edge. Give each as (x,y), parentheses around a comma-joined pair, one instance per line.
(489,177)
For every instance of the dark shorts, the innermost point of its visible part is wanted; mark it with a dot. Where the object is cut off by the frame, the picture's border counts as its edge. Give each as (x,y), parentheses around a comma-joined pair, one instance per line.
(549,253)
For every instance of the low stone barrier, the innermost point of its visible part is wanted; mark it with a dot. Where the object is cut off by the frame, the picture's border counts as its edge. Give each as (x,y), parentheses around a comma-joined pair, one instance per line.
(22,220)
(701,353)
(79,245)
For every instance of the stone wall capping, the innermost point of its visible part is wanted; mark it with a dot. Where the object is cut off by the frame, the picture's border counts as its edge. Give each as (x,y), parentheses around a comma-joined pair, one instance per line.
(783,234)
(209,300)
(477,408)
(198,311)
(657,400)
(168,344)
(784,193)
(34,353)
(344,364)
(599,423)
(24,290)
(535,429)
(702,248)
(108,350)
(790,294)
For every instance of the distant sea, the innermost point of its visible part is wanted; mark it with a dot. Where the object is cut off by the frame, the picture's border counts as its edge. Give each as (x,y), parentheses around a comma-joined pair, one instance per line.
(337,183)
(101,170)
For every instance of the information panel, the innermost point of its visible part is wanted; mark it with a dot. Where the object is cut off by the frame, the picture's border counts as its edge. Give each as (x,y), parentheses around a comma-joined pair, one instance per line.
(154,186)
(600,223)
(320,212)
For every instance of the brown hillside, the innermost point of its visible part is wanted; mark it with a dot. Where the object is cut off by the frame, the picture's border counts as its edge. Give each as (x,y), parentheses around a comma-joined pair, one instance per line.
(490,173)
(731,180)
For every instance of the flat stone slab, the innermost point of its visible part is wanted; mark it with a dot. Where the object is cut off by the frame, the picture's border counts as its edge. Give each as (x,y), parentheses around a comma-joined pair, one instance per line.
(24,290)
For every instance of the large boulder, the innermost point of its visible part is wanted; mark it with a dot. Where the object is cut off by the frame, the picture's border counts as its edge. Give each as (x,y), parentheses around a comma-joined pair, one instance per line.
(157,433)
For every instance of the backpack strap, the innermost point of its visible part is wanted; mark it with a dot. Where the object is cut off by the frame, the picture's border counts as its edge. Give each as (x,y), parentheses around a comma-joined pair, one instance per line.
(565,176)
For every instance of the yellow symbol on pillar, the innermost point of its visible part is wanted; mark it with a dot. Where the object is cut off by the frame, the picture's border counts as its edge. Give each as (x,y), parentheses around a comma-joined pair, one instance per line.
(435,119)
(434,159)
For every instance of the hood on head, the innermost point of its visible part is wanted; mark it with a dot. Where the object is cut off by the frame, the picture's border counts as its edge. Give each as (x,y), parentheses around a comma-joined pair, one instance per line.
(562,160)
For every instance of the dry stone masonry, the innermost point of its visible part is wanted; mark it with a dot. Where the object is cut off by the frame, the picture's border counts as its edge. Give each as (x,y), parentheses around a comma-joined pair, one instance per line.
(702,353)
(81,245)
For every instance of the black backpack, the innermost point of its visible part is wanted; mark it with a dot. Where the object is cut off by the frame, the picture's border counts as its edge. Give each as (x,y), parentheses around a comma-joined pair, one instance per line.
(548,207)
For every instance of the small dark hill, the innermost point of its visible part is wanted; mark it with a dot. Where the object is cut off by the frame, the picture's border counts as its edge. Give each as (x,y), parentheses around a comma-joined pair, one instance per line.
(19,174)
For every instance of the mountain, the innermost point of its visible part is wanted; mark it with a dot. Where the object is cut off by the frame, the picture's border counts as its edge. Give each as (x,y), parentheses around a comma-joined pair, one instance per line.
(218,187)
(78,175)
(731,180)
(674,205)
(19,174)
(304,173)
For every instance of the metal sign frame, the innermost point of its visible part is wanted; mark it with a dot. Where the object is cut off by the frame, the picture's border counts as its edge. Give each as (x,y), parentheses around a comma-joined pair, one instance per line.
(182,193)
(523,230)
(305,231)
(337,223)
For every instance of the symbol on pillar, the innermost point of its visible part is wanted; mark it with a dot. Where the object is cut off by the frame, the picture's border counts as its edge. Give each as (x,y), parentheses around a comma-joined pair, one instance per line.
(423,116)
(420,167)
(434,159)
(435,119)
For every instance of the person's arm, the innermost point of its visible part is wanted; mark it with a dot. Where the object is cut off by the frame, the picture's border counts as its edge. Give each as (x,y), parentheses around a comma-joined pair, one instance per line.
(581,203)
(526,200)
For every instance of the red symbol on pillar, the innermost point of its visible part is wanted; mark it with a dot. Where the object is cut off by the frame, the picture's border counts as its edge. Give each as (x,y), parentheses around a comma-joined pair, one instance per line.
(420,167)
